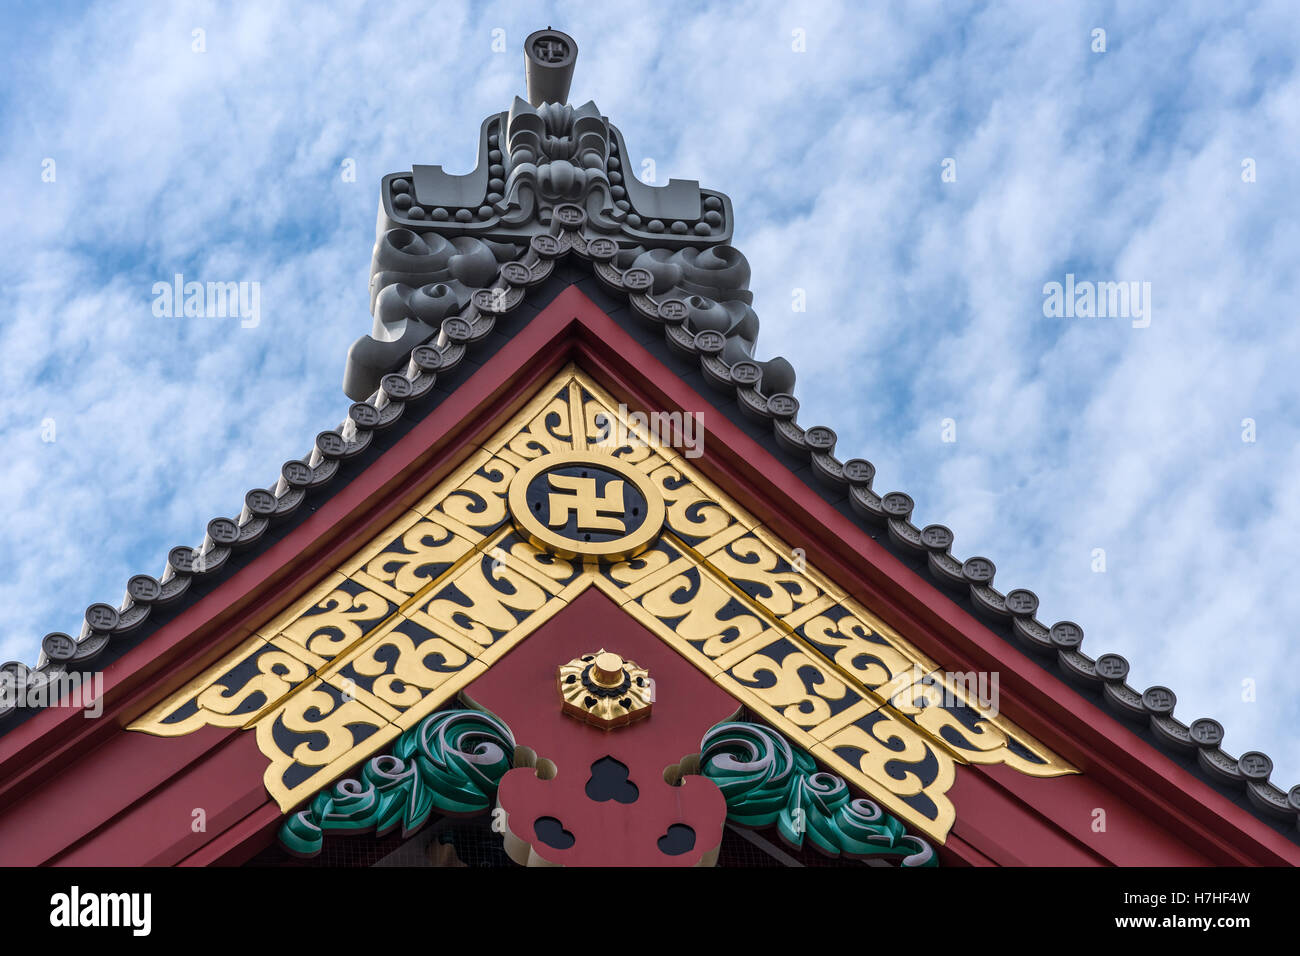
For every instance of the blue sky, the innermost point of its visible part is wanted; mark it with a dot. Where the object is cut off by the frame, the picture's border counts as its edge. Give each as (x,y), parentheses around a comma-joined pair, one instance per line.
(924,297)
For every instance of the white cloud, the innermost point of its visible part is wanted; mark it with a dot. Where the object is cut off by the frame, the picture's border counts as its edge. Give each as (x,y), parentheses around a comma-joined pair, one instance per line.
(1072,434)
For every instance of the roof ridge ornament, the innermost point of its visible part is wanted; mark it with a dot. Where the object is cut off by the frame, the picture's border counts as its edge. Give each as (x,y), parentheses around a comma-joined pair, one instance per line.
(453,252)
(549,58)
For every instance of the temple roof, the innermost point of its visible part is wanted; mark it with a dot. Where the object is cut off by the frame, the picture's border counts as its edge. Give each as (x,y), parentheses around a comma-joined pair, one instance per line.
(462,263)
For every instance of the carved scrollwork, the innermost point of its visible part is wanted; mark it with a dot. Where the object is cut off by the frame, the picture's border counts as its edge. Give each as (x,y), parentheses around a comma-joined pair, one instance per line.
(451,763)
(768,781)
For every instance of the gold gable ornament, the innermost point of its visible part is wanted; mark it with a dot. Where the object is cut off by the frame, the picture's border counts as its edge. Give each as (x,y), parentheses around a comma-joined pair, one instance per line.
(518,532)
(595,506)
(604,690)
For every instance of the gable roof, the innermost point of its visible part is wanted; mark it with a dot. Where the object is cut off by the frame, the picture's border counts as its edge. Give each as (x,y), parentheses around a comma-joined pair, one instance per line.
(1156,797)
(453,281)
(707,577)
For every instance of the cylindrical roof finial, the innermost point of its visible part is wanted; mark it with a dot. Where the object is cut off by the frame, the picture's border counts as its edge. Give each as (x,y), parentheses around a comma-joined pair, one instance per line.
(549,56)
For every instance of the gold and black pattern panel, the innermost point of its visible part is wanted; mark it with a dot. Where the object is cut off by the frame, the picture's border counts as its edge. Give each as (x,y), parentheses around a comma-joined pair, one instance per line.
(709,620)
(632,577)
(402,665)
(483,602)
(760,568)
(338,620)
(960,712)
(254,678)
(547,428)
(473,503)
(956,710)
(695,517)
(859,649)
(605,431)
(316,734)
(549,570)
(801,689)
(420,551)
(895,763)
(449,587)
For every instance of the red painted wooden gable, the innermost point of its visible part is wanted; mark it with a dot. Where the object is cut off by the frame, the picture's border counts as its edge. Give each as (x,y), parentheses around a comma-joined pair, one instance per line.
(79,791)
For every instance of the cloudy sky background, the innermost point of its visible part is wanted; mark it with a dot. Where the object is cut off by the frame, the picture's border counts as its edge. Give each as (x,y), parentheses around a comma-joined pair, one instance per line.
(924,298)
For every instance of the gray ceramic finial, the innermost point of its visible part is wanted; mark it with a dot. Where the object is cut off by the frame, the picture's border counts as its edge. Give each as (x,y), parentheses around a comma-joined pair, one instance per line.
(551,178)
(549,56)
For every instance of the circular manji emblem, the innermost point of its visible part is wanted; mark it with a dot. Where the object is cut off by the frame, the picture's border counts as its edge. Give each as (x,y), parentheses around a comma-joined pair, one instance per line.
(261,502)
(1021,603)
(710,341)
(978,570)
(820,437)
(1111,667)
(396,385)
(364,414)
(783,405)
(1159,700)
(181,557)
(638,280)
(491,301)
(516,273)
(546,246)
(331,444)
(602,249)
(1255,766)
(143,589)
(296,473)
(860,472)
(59,647)
(673,311)
(1206,732)
(897,505)
(223,531)
(428,358)
(102,617)
(584,504)
(1066,635)
(570,216)
(746,373)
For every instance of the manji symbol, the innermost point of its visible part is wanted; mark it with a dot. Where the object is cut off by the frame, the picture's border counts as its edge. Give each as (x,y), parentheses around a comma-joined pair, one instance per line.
(550,49)
(578,497)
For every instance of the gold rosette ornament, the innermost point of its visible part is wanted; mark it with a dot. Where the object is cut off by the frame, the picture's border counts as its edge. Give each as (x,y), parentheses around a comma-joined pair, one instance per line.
(604,690)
